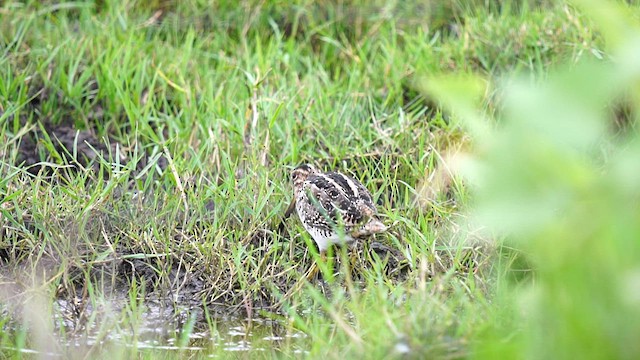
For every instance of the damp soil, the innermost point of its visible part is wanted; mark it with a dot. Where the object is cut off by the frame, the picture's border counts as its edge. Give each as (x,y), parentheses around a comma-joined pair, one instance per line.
(74,149)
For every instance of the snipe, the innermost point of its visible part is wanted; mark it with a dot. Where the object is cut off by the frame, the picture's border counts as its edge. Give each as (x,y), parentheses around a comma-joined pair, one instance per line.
(334,208)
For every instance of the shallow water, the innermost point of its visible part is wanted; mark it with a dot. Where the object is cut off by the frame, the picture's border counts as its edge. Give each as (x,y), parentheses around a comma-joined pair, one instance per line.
(159,327)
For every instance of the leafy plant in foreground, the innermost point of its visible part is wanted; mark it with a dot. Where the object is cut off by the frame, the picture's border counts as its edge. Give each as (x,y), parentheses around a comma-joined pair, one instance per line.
(557,183)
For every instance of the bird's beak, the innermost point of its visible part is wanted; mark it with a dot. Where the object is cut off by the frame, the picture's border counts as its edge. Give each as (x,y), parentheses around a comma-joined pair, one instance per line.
(290,209)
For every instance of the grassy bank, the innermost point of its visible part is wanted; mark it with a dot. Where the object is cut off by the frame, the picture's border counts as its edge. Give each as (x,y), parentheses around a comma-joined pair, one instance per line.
(145,149)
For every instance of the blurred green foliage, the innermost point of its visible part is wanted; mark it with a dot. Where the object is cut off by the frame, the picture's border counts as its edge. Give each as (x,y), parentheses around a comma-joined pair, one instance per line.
(556,179)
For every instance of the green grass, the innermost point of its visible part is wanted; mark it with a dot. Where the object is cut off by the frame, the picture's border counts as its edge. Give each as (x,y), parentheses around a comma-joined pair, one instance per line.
(145,148)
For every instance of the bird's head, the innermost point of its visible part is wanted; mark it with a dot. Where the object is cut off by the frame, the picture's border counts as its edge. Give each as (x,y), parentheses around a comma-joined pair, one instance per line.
(300,174)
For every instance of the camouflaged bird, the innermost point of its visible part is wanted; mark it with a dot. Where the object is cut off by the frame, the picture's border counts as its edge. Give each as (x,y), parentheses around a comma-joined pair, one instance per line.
(334,208)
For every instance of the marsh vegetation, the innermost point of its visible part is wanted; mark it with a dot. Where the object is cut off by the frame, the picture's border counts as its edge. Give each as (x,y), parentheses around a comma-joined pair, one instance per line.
(145,152)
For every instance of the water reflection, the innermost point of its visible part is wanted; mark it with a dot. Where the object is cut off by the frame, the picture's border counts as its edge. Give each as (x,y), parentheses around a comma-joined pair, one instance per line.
(159,326)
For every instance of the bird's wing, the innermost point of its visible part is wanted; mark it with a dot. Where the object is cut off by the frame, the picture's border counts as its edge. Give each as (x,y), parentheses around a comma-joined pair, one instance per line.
(357,194)
(365,200)
(335,200)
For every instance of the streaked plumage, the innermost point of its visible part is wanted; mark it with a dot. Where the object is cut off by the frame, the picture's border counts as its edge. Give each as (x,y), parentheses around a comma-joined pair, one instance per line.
(333,207)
